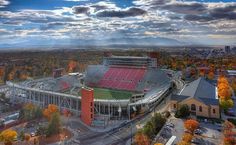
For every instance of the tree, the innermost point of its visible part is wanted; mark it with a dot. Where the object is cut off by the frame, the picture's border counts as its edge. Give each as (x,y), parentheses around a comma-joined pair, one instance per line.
(158,144)
(224,93)
(54,126)
(38,112)
(50,110)
(225,104)
(183,143)
(228,133)
(27,137)
(22,135)
(182,112)
(191,125)
(7,136)
(149,129)
(187,137)
(36,141)
(211,75)
(141,138)
(157,122)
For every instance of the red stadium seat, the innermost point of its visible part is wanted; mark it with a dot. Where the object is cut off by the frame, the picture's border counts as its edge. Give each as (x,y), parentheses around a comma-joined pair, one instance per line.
(122,78)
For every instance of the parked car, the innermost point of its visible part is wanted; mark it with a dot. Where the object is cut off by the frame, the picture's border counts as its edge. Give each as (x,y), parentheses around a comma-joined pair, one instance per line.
(195,141)
(230,112)
(198,132)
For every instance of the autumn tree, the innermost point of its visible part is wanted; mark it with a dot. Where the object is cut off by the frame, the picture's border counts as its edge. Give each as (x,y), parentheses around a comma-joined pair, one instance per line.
(30,111)
(7,136)
(191,125)
(158,144)
(224,93)
(50,110)
(27,137)
(210,75)
(229,133)
(187,137)
(183,143)
(141,139)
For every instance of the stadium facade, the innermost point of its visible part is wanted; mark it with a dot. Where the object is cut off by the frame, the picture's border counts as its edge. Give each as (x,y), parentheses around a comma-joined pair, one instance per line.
(122,85)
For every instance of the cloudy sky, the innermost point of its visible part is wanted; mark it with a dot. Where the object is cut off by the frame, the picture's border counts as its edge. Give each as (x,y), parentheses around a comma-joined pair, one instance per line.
(95,22)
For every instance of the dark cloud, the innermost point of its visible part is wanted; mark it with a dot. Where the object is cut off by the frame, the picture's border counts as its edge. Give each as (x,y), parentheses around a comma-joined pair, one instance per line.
(198,18)
(156,3)
(227,13)
(80,10)
(131,12)
(191,8)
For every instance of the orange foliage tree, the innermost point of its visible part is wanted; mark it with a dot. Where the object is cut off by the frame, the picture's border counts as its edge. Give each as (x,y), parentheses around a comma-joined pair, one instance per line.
(183,143)
(187,137)
(158,144)
(27,137)
(50,110)
(7,136)
(141,139)
(72,65)
(229,134)
(224,92)
(191,125)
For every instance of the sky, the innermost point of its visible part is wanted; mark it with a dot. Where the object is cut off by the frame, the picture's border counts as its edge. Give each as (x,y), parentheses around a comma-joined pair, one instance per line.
(51,23)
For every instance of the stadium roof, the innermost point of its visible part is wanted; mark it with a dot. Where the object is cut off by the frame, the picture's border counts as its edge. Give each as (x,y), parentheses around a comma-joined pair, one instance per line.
(200,90)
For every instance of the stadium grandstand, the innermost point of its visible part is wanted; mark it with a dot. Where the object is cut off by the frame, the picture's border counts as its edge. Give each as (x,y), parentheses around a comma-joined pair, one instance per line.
(121,84)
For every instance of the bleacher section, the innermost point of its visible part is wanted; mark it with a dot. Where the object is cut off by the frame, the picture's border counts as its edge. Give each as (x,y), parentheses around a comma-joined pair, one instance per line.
(154,78)
(60,84)
(122,78)
(94,74)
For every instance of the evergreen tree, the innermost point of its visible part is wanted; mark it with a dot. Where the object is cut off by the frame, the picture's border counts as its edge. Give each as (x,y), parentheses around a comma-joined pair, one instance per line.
(54,125)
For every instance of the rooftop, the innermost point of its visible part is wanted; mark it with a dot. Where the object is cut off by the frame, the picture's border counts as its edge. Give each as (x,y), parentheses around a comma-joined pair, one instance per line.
(200,90)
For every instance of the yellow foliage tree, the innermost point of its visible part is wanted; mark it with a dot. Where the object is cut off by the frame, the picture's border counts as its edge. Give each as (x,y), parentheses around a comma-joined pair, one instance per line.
(158,144)
(7,136)
(183,143)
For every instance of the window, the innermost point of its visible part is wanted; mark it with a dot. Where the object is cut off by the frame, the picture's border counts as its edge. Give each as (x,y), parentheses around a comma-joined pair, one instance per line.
(91,109)
(200,108)
(214,111)
(91,115)
(174,105)
(91,104)
(193,107)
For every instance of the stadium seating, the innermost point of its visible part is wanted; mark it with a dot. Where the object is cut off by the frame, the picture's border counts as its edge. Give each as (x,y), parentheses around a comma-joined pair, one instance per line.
(122,78)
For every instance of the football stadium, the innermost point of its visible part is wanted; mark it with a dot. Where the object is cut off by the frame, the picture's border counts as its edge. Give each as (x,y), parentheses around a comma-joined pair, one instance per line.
(121,85)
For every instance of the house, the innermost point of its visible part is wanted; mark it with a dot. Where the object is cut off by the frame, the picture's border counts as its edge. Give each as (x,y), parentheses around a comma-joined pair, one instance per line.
(201,97)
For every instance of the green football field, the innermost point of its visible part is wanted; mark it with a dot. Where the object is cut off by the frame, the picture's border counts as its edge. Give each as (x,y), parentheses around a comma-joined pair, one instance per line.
(100,93)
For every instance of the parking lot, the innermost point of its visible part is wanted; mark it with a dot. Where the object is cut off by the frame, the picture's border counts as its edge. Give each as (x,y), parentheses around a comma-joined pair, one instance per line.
(207,134)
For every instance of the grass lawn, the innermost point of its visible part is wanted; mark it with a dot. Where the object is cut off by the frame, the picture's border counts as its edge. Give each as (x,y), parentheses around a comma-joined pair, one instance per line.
(100,93)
